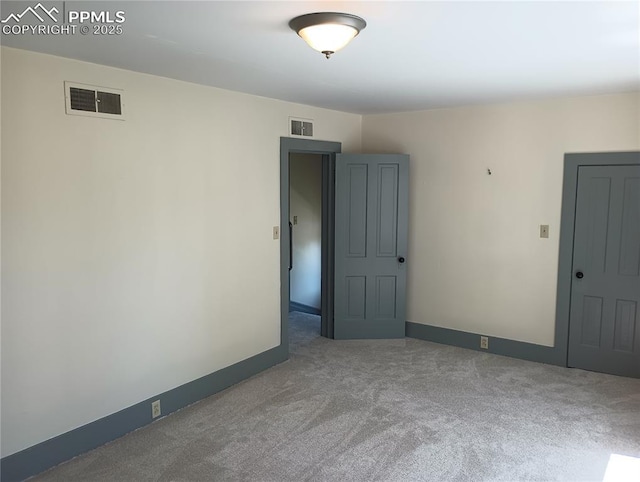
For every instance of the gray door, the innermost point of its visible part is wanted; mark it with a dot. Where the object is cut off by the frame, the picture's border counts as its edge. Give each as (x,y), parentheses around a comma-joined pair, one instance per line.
(371,222)
(604,324)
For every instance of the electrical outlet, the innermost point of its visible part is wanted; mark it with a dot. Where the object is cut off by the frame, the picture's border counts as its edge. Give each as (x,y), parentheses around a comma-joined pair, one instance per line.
(276,232)
(295,220)
(544,230)
(155,409)
(484,342)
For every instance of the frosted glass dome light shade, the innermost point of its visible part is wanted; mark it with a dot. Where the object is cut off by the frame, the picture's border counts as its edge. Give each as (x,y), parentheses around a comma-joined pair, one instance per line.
(327,32)
(328,37)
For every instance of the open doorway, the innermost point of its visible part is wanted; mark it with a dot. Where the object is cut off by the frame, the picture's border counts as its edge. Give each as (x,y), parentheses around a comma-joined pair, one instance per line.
(300,285)
(365,201)
(305,231)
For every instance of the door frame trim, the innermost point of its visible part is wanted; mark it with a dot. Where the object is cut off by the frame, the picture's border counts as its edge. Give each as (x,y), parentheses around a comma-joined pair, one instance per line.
(572,163)
(328,150)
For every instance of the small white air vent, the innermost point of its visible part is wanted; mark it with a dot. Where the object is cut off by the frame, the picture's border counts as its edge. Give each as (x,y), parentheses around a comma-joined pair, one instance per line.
(94,101)
(300,127)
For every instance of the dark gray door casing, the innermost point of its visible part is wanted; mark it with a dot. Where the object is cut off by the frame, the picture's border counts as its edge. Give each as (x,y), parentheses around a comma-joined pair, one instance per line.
(371,230)
(566,275)
(604,324)
(328,150)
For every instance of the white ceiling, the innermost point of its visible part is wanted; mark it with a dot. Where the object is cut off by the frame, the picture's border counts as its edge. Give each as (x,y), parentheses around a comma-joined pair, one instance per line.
(412,55)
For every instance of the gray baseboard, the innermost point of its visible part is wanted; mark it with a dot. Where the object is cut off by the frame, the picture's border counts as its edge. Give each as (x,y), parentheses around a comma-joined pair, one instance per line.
(40,457)
(295,306)
(52,452)
(497,346)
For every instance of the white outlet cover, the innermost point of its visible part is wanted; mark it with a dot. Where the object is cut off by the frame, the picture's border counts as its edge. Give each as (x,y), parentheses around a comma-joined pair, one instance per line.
(155,409)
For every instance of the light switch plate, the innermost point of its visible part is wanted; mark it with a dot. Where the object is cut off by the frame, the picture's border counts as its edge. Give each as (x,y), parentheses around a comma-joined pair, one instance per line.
(544,230)
(276,232)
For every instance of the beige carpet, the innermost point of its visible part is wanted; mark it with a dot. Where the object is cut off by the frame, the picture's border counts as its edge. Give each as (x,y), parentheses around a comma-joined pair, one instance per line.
(384,410)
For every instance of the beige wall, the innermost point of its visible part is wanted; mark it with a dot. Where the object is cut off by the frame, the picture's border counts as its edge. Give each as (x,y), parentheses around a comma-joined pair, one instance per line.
(305,202)
(476,262)
(131,249)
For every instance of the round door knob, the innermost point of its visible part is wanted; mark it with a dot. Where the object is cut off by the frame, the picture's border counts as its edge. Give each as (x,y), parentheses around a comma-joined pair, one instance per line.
(400,259)
(579,275)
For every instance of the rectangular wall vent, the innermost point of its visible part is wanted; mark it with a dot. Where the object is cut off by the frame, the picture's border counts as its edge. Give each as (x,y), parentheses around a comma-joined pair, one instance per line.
(300,127)
(93,101)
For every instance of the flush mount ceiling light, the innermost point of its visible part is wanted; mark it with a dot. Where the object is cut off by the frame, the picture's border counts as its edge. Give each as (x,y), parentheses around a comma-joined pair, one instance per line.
(327,32)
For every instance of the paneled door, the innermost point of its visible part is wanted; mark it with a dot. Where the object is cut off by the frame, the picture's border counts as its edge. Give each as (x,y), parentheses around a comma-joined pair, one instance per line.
(604,323)
(371,223)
